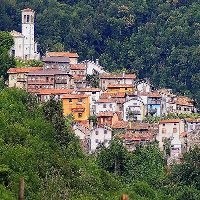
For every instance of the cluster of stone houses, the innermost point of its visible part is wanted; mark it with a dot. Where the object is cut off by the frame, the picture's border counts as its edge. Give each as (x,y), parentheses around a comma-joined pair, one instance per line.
(116,108)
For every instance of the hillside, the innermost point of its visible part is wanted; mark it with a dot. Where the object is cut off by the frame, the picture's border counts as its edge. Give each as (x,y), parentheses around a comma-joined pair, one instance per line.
(158,39)
(37,143)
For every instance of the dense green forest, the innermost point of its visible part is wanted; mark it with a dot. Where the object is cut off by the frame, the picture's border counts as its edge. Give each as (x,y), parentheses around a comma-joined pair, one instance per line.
(158,39)
(37,143)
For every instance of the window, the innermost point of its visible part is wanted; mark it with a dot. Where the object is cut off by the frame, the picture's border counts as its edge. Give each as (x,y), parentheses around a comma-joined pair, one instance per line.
(163,124)
(93,92)
(174,124)
(185,109)
(13,53)
(28,18)
(80,100)
(105,131)
(104,105)
(97,132)
(174,130)
(70,100)
(163,130)
(79,115)
(125,88)
(110,105)
(97,141)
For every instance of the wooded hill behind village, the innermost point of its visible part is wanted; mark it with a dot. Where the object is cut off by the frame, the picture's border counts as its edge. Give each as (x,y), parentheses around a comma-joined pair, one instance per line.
(99,100)
(158,39)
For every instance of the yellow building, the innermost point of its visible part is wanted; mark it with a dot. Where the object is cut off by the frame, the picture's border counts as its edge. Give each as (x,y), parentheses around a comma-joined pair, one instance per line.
(122,88)
(78,105)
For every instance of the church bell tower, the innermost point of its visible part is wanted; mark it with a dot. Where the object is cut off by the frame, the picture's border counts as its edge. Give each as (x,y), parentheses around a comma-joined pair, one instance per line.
(28,32)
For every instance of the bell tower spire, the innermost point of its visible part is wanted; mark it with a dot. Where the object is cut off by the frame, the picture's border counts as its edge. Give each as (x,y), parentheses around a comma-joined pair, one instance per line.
(28,32)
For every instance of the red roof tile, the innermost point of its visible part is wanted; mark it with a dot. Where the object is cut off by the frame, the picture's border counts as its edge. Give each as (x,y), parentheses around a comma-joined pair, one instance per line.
(154,94)
(24,70)
(184,101)
(77,67)
(74,96)
(120,124)
(62,54)
(113,95)
(105,101)
(27,10)
(193,120)
(55,91)
(170,121)
(79,77)
(120,86)
(105,114)
(89,90)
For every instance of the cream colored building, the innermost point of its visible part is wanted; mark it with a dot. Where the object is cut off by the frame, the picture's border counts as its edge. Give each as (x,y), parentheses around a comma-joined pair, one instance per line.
(25,47)
(18,76)
(107,79)
(73,57)
(171,130)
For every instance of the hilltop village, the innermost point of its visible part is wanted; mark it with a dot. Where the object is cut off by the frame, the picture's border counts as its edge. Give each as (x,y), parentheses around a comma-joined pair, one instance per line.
(105,105)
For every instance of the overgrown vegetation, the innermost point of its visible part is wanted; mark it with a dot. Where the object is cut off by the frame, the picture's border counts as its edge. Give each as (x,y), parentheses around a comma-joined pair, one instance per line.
(36,144)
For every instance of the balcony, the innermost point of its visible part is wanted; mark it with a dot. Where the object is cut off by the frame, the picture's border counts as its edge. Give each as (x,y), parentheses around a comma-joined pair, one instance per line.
(21,79)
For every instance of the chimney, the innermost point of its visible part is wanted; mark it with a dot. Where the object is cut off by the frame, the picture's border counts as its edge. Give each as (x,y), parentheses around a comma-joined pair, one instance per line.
(97,61)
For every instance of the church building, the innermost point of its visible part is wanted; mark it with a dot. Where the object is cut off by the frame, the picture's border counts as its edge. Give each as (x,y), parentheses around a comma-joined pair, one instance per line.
(25,47)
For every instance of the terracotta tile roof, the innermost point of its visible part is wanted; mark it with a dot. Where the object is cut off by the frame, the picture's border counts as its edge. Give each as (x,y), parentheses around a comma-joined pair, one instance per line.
(55,91)
(120,124)
(89,90)
(170,121)
(62,54)
(77,67)
(79,77)
(56,59)
(154,94)
(136,136)
(46,72)
(193,120)
(117,76)
(27,10)
(84,123)
(105,114)
(74,96)
(139,126)
(24,70)
(16,34)
(120,86)
(113,95)
(105,101)
(184,101)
